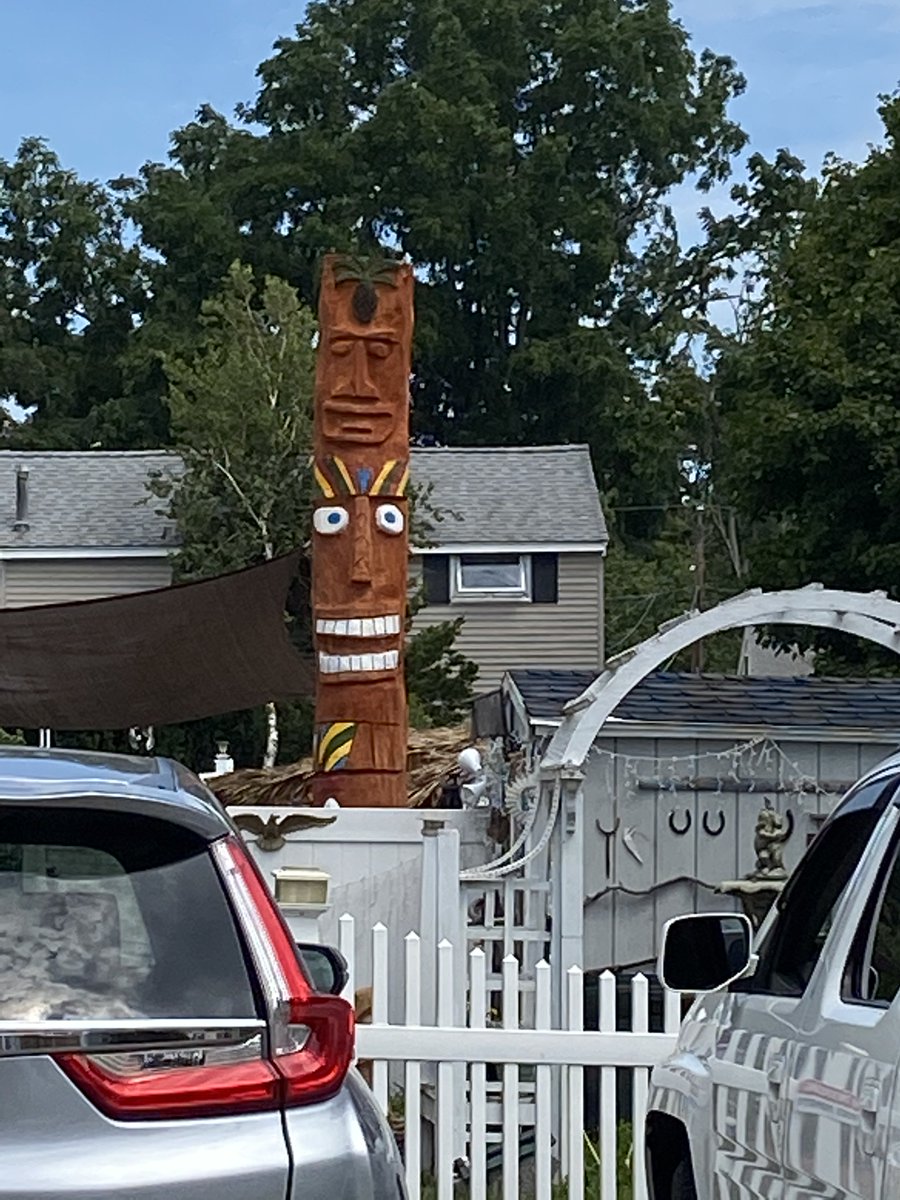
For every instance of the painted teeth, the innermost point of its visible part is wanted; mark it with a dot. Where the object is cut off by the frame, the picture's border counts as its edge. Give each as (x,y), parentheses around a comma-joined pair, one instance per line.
(333,664)
(366,627)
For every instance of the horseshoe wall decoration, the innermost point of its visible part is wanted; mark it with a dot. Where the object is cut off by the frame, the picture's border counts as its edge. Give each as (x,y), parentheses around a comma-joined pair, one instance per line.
(789,822)
(688,821)
(609,834)
(707,828)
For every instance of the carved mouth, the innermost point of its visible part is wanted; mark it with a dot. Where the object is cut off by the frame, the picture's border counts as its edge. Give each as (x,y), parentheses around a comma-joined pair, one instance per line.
(361,627)
(335,664)
(357,419)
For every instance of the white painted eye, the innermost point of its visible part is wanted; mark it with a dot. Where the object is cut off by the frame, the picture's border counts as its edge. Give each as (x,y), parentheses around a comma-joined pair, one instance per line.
(389,518)
(331,519)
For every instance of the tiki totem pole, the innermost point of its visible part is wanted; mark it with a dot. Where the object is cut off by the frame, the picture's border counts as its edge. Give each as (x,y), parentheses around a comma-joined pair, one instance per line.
(360,531)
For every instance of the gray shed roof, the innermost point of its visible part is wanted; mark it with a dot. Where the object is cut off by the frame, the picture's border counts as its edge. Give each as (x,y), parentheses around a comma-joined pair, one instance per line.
(516,495)
(488,497)
(84,500)
(672,698)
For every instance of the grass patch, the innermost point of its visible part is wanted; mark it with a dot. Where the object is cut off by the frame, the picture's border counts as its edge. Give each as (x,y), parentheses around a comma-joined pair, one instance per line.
(560,1190)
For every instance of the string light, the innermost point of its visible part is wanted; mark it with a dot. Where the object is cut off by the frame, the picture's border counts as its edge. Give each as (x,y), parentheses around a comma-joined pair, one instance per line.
(759,756)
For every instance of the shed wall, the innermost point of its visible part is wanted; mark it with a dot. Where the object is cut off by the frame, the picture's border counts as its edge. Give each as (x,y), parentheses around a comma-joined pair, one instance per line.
(632,786)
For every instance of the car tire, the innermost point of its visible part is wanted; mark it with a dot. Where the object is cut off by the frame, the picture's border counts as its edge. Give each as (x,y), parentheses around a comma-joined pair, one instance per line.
(683,1182)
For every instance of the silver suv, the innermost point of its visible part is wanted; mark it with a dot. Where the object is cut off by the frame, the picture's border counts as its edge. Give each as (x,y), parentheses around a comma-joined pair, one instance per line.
(160,1036)
(784,1083)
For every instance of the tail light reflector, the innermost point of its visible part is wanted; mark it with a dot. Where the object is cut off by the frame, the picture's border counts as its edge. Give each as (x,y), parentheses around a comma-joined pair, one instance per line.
(180,1092)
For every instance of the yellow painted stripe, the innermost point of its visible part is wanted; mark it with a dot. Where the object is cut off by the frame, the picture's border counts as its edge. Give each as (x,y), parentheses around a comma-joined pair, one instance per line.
(382,476)
(404,481)
(341,468)
(338,755)
(322,481)
(327,751)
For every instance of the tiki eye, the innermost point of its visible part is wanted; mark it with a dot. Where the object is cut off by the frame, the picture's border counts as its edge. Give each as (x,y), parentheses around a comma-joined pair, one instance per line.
(378,349)
(389,518)
(331,520)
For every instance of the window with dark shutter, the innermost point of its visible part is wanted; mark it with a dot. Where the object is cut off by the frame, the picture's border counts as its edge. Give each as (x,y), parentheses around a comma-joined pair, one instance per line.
(545,578)
(436,578)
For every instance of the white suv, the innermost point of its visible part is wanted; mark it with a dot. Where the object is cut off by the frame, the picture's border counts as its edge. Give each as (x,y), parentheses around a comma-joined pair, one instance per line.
(783,1084)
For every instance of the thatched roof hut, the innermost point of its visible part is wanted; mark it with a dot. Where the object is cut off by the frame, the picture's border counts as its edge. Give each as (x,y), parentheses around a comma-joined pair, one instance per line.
(431,760)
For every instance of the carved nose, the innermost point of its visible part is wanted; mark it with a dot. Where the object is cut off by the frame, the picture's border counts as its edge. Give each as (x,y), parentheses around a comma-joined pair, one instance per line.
(362,382)
(362,544)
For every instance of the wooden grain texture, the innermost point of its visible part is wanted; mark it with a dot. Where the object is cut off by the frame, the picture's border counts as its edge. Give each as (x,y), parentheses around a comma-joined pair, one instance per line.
(361,532)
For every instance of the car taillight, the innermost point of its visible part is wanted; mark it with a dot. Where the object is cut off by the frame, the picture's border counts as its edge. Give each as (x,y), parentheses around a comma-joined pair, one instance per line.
(129,1091)
(310,1036)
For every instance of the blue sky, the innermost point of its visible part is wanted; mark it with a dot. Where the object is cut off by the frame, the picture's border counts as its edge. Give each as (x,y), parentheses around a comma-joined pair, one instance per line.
(106,80)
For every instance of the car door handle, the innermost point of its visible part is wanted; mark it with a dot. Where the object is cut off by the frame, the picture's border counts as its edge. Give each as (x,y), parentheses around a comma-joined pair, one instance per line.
(869,1103)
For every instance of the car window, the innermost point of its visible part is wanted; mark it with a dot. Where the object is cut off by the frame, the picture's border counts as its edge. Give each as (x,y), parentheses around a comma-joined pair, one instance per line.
(794,944)
(112,915)
(873,968)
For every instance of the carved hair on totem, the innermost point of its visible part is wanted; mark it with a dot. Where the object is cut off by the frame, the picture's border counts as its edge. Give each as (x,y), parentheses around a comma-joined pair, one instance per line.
(360,531)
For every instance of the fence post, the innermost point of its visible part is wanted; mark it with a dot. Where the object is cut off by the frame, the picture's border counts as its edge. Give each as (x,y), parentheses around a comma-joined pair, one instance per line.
(478,1118)
(575,1092)
(510,1083)
(608,1113)
(567,878)
(449,927)
(446,1100)
(380,1007)
(412,1095)
(428,921)
(640,1023)
(543,1132)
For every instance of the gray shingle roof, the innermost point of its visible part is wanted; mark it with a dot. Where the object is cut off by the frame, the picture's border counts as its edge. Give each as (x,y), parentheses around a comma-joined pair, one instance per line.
(84,499)
(517,495)
(672,698)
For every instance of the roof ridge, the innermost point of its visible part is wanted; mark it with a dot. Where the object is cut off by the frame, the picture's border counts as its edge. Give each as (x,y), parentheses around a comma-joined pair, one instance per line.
(161,453)
(729,676)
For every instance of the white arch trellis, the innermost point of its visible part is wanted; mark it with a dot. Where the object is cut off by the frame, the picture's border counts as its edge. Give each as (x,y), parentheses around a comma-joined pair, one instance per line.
(869,615)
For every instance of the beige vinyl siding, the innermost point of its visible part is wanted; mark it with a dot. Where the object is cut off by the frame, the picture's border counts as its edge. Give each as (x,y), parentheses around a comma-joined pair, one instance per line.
(502,635)
(26,582)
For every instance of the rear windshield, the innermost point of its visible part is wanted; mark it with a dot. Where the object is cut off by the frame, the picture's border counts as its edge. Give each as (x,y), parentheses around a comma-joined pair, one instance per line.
(113,915)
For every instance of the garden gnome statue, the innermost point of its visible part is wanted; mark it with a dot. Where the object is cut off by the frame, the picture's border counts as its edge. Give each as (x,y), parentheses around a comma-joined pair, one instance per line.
(759,890)
(361,531)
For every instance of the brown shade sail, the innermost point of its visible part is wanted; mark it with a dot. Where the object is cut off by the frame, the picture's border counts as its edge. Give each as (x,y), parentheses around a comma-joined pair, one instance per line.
(153,658)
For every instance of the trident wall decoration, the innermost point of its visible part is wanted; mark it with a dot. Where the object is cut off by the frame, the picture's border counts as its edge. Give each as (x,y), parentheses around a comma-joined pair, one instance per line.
(360,531)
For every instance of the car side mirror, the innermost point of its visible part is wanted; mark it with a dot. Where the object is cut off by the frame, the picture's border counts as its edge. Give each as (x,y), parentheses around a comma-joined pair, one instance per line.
(705,952)
(327,967)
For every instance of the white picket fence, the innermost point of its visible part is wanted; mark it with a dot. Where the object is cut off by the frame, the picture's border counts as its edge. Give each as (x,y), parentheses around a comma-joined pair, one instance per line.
(446,1024)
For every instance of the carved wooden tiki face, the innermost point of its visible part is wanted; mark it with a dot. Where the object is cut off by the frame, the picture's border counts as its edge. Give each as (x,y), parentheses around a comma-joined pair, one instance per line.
(360,532)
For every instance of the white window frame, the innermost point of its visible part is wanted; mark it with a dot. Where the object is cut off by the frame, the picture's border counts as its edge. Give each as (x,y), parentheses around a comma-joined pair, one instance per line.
(460,593)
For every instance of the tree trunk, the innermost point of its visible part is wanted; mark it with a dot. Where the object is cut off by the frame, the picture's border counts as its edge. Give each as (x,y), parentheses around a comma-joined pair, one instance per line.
(271,735)
(271,711)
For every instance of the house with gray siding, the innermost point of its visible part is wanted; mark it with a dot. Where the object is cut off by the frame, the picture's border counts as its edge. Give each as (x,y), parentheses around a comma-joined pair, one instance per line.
(518,553)
(79,526)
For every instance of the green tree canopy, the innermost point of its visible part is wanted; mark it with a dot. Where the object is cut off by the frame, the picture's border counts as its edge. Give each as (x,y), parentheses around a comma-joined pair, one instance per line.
(523,155)
(241,408)
(810,397)
(71,288)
